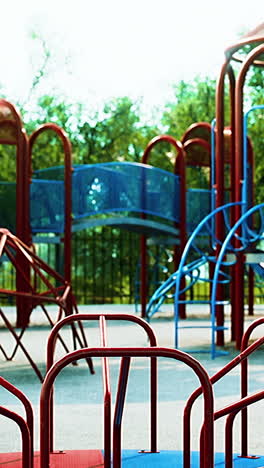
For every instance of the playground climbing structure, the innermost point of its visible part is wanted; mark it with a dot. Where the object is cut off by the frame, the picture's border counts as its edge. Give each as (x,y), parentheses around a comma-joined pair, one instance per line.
(41,288)
(231,148)
(248,53)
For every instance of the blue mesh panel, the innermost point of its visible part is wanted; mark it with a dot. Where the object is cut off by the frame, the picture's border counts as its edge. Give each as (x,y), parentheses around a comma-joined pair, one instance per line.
(198,206)
(103,188)
(47,206)
(110,187)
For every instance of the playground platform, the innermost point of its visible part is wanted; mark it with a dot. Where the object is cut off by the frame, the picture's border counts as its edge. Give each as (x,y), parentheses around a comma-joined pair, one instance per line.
(79,395)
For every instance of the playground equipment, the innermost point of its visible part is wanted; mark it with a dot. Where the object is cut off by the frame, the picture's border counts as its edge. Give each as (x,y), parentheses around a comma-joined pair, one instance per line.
(137,197)
(193,152)
(68,198)
(106,188)
(32,186)
(159,258)
(196,264)
(199,263)
(59,201)
(16,213)
(114,455)
(247,52)
(197,176)
(198,194)
(243,238)
(230,147)
(145,199)
(41,287)
(181,204)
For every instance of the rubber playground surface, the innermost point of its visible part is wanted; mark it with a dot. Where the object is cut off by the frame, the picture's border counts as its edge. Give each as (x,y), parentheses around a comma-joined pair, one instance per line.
(79,394)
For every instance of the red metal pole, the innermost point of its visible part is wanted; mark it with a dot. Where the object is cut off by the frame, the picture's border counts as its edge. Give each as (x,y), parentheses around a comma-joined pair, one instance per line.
(219,177)
(28,409)
(246,351)
(68,169)
(244,385)
(27,461)
(143,275)
(14,134)
(127,353)
(197,129)
(232,83)
(179,168)
(231,411)
(239,266)
(24,306)
(251,276)
(107,395)
(119,408)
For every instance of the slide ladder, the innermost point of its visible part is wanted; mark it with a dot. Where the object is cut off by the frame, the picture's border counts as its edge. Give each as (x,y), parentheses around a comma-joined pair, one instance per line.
(197,264)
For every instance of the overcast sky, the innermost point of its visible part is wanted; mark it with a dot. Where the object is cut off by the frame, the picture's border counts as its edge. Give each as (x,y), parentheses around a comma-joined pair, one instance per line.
(105,48)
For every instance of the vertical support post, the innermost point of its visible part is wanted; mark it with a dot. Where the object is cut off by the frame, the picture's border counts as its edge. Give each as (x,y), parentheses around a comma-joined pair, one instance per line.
(68,169)
(219,166)
(239,266)
(179,168)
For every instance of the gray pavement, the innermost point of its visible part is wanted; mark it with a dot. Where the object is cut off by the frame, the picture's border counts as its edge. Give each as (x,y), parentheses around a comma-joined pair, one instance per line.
(79,394)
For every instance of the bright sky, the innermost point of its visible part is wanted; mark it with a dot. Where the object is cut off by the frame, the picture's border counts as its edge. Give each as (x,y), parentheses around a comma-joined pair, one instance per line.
(105,48)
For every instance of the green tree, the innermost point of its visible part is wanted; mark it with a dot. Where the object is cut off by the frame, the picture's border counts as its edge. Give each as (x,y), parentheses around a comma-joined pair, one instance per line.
(115,134)
(194,102)
(254,89)
(47,151)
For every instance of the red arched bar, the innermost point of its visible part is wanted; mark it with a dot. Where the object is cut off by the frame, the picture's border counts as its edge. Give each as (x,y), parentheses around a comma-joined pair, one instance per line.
(226,71)
(208,407)
(188,144)
(239,266)
(179,168)
(196,142)
(238,53)
(13,133)
(68,169)
(196,130)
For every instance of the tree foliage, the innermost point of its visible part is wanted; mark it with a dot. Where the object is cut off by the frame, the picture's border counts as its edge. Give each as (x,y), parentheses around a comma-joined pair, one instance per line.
(256,129)
(117,133)
(194,102)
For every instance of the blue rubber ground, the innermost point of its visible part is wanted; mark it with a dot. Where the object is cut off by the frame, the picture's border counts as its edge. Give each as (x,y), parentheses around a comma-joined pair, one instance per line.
(173,459)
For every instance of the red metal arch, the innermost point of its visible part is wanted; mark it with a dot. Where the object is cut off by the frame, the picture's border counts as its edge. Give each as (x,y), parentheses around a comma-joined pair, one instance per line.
(68,169)
(191,132)
(179,168)
(13,133)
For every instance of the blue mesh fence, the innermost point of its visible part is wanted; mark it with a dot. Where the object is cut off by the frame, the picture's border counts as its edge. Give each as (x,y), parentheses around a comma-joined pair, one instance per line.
(47,206)
(127,187)
(104,259)
(198,205)
(103,188)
